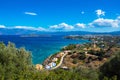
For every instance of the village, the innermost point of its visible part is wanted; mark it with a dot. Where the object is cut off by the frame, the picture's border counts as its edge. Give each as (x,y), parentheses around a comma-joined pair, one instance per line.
(53,62)
(92,54)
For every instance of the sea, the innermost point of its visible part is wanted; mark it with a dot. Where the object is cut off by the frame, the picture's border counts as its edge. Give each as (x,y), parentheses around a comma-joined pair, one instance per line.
(40,47)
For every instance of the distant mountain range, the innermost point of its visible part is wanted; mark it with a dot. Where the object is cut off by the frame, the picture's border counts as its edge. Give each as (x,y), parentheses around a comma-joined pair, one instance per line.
(5,31)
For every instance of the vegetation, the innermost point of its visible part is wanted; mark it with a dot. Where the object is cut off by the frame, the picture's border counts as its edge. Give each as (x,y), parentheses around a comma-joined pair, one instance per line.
(16,64)
(69,47)
(111,68)
(82,56)
(95,54)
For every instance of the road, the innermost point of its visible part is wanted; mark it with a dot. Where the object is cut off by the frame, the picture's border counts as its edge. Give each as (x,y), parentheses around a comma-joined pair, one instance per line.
(61,61)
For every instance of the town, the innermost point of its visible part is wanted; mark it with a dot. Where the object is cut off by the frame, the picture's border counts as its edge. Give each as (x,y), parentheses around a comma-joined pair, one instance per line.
(91,55)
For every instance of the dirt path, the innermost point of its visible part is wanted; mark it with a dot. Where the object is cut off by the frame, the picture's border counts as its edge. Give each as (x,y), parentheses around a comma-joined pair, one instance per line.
(61,61)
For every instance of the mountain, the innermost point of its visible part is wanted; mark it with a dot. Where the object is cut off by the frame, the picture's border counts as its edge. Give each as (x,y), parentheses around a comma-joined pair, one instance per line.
(115,33)
(15,31)
(5,31)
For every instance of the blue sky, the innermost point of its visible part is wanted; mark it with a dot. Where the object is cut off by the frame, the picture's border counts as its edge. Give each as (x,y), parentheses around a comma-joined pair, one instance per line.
(61,15)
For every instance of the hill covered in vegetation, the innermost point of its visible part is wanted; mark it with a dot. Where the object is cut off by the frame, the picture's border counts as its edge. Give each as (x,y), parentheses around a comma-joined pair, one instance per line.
(16,64)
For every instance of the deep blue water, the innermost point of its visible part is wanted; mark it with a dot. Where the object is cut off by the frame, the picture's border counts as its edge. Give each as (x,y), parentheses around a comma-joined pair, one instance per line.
(40,47)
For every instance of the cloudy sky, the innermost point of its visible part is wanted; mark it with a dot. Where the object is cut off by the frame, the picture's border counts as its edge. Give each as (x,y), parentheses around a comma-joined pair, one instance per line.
(61,15)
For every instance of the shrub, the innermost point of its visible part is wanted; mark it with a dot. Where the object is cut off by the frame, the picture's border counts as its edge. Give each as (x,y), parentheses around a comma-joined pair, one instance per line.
(82,56)
(111,68)
(75,61)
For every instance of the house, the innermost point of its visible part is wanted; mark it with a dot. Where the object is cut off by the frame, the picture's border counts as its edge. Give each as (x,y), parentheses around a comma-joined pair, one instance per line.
(65,68)
(78,45)
(47,67)
(39,66)
(61,54)
(58,55)
(55,59)
(52,64)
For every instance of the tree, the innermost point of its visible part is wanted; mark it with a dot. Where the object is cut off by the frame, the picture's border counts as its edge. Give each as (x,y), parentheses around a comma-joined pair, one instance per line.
(14,63)
(111,68)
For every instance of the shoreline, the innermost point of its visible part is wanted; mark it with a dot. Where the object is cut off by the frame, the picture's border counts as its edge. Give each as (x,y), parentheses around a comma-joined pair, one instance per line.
(92,52)
(52,56)
(57,53)
(51,66)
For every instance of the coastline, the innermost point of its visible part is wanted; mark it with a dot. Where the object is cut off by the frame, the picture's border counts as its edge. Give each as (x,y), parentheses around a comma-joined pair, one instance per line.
(60,51)
(51,65)
(52,56)
(91,54)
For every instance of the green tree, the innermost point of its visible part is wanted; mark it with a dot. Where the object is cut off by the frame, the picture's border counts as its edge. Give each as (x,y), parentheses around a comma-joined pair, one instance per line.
(14,63)
(111,68)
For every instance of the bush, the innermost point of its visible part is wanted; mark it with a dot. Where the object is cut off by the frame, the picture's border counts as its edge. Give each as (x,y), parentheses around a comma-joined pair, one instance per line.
(75,61)
(82,56)
(70,47)
(14,62)
(111,68)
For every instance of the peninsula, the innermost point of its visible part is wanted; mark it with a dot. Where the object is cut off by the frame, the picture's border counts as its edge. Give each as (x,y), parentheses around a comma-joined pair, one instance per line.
(89,55)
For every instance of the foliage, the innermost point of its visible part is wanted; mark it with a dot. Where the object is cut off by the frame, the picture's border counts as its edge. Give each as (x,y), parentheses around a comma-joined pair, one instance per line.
(16,64)
(82,56)
(90,74)
(75,61)
(111,68)
(70,47)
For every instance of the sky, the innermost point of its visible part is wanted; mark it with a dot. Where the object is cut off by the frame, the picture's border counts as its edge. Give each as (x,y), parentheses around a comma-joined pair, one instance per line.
(60,15)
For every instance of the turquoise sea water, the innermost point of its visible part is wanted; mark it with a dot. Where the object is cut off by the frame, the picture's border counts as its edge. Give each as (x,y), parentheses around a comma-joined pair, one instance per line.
(41,47)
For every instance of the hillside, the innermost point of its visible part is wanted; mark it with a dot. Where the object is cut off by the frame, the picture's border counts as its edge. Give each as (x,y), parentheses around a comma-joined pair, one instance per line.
(15,64)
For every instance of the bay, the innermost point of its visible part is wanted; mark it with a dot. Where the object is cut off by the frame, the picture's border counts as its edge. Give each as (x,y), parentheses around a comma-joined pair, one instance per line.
(41,47)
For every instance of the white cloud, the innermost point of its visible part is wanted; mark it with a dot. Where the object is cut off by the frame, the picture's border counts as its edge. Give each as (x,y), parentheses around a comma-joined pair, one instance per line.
(115,23)
(41,29)
(24,27)
(82,12)
(80,25)
(30,28)
(118,18)
(99,25)
(31,13)
(100,12)
(62,26)
(2,26)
